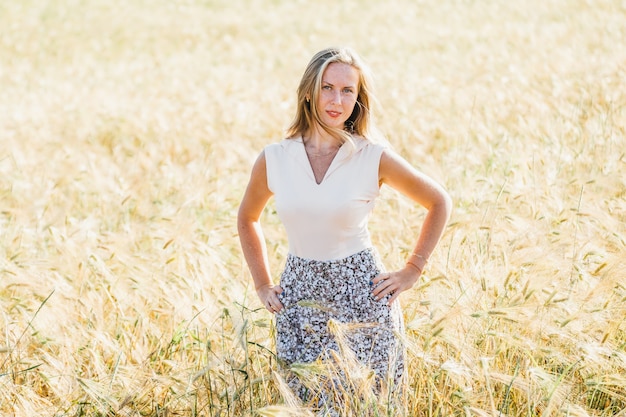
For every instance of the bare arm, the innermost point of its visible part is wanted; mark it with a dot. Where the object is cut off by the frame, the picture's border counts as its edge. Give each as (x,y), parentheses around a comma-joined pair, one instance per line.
(400,175)
(251,236)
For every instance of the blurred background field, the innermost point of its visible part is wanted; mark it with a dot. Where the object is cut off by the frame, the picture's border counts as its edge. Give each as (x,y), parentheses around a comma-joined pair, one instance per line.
(127,133)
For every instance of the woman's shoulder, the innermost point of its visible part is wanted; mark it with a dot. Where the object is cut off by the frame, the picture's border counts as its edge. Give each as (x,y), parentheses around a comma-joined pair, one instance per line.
(284,144)
(374,143)
(278,150)
(368,146)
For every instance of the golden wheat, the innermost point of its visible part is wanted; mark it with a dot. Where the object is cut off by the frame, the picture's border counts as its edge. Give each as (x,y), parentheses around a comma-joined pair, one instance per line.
(127,132)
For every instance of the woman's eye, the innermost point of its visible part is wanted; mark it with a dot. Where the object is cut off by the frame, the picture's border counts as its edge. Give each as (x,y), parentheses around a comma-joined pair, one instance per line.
(347,91)
(326,87)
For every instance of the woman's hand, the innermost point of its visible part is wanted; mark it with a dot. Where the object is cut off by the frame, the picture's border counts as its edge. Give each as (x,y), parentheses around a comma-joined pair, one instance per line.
(394,283)
(268,294)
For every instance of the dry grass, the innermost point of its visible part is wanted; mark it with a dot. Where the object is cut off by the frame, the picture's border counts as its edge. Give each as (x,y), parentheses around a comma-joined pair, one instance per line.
(127,131)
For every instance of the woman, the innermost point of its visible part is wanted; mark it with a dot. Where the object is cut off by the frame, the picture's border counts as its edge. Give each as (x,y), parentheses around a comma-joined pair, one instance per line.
(325,177)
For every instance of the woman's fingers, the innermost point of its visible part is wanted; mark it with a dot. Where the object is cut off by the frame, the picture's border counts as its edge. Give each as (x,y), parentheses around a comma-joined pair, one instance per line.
(393,297)
(272,303)
(383,284)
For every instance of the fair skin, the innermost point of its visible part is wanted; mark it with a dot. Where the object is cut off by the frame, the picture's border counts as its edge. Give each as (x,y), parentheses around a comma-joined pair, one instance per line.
(335,103)
(337,99)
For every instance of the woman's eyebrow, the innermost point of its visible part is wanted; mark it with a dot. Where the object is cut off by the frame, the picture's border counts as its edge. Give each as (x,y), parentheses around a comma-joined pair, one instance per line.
(332,85)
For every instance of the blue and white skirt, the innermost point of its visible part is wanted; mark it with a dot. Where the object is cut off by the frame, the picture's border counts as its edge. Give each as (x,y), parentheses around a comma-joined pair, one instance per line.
(340,292)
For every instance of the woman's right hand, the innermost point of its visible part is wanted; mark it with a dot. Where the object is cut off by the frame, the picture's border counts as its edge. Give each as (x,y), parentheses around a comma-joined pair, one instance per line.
(268,294)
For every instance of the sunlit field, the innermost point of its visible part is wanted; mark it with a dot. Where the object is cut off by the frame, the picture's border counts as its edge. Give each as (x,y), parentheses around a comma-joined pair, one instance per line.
(127,134)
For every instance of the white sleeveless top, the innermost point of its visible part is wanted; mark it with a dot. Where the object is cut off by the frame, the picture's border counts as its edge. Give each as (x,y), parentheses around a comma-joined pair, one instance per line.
(324,221)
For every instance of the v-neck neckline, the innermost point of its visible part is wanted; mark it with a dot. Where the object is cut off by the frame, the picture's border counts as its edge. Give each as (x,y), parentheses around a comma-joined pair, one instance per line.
(295,147)
(328,170)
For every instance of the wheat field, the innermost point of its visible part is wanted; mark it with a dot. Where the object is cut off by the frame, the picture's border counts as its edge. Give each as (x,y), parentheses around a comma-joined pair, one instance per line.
(127,134)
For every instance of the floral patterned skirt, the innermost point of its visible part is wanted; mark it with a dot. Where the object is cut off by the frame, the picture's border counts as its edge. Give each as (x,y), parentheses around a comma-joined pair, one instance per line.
(329,306)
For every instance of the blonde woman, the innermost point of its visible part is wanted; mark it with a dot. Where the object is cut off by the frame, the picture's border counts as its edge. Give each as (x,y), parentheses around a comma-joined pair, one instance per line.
(325,177)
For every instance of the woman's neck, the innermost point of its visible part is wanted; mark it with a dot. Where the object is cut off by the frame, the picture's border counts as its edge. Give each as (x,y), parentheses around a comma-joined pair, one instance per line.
(320,142)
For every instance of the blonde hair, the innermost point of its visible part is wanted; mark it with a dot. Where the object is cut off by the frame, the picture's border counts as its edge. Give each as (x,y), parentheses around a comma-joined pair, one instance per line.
(307,115)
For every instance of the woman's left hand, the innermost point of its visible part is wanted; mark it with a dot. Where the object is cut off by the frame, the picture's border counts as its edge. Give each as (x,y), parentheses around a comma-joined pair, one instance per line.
(393,283)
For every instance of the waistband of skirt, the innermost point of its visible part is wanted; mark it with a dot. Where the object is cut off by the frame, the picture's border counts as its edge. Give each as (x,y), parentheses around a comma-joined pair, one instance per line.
(370,252)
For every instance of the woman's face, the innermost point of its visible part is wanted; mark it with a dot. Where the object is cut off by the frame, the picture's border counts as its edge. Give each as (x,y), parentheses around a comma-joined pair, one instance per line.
(336,100)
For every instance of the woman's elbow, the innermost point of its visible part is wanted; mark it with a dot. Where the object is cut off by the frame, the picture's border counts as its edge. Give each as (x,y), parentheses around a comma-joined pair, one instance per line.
(443,203)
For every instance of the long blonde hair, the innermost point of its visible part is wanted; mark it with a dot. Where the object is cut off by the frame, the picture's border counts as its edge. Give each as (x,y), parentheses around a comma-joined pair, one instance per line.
(307,115)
